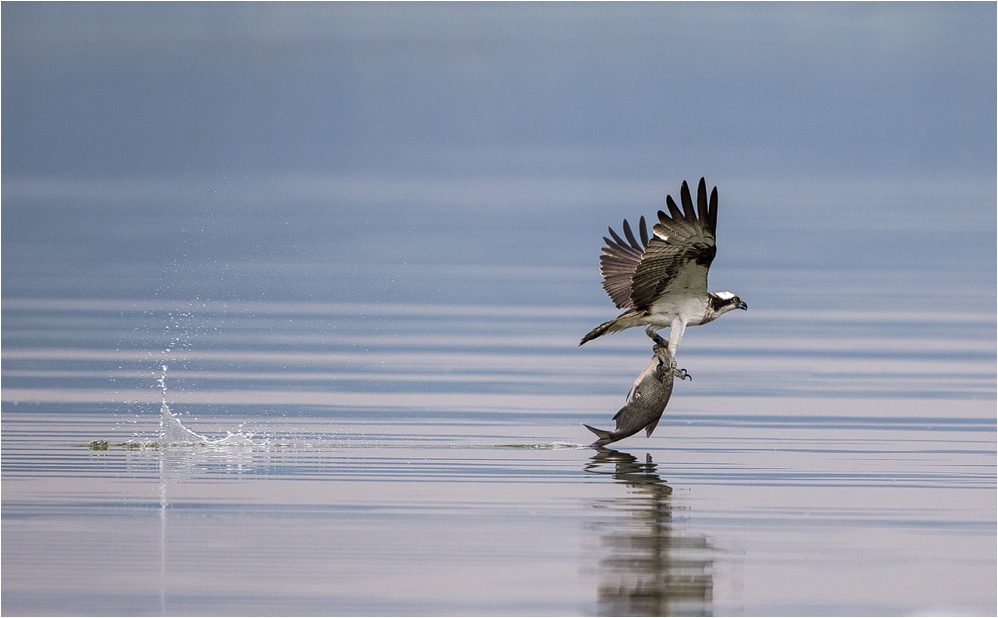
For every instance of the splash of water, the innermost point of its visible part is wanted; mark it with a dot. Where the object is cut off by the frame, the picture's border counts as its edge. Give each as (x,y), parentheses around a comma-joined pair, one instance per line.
(544,446)
(173,433)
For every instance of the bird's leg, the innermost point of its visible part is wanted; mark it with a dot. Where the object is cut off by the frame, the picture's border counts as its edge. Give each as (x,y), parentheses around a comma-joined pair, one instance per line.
(651,332)
(675,335)
(662,349)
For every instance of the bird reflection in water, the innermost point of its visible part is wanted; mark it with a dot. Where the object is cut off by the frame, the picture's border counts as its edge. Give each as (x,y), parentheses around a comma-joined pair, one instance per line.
(652,569)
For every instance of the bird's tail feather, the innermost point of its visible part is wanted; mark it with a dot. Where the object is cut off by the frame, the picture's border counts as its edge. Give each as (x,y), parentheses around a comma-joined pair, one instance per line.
(623,321)
(605,437)
(599,331)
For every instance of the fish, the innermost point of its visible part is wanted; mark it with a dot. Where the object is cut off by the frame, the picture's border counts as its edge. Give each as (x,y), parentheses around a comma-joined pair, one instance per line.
(647,398)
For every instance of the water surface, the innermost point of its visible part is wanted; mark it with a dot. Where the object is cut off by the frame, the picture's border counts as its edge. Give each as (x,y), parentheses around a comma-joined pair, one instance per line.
(430,459)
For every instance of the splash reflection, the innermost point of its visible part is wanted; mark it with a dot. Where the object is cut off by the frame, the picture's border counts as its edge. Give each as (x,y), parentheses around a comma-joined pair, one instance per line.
(649,567)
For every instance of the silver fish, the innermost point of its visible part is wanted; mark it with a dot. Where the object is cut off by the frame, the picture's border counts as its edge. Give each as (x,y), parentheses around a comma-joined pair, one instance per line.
(648,397)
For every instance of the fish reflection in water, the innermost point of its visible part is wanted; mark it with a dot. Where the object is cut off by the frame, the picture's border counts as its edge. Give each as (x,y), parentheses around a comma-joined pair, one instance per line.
(652,569)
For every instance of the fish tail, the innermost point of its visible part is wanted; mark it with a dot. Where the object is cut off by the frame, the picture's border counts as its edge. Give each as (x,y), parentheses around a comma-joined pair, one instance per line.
(605,437)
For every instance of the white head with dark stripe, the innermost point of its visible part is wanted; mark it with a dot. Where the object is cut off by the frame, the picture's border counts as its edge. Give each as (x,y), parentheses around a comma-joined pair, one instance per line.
(720,303)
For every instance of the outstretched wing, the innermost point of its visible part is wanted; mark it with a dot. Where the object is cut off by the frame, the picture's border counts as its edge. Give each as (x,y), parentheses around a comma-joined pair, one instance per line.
(619,261)
(678,256)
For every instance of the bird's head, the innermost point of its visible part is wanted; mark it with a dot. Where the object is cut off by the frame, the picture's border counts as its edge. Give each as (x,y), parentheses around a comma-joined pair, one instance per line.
(723,302)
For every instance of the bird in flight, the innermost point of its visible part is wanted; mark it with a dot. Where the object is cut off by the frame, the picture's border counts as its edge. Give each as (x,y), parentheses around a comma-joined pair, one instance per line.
(662,281)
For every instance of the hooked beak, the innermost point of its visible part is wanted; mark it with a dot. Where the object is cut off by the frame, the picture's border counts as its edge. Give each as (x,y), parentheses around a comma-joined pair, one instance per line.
(741,305)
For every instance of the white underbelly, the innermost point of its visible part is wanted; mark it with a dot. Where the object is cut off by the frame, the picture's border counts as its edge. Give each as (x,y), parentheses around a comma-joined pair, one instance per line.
(692,310)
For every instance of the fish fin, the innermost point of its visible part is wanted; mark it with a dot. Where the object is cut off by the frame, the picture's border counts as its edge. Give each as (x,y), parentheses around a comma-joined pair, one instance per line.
(618,418)
(605,437)
(651,427)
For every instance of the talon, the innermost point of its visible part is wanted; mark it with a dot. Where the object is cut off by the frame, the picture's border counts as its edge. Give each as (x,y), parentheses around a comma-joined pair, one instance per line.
(682,374)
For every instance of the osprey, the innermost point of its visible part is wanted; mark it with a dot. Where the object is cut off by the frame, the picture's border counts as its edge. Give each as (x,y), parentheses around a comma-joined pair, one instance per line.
(662,281)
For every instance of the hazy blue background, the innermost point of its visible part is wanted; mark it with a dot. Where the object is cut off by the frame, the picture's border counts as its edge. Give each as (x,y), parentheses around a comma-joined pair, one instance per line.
(211,139)
(758,90)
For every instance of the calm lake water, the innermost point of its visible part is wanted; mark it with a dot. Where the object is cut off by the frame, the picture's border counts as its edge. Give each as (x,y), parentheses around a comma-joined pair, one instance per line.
(393,404)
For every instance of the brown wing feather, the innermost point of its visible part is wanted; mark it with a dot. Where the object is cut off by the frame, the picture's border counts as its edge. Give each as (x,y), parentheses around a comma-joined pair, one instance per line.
(682,249)
(637,273)
(619,261)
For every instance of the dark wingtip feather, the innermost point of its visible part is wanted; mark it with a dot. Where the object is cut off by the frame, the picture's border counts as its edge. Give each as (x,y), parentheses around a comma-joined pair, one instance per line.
(712,212)
(611,247)
(620,249)
(620,241)
(643,229)
(673,210)
(702,211)
(630,236)
(687,200)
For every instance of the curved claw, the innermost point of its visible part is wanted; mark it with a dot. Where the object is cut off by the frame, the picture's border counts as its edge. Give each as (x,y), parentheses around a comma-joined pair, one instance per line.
(682,374)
